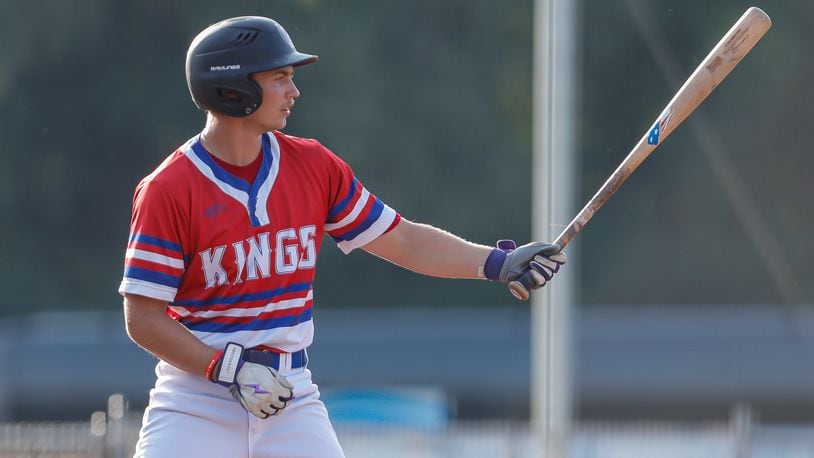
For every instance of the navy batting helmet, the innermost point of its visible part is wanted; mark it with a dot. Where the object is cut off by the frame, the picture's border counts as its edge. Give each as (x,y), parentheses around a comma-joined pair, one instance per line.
(222,58)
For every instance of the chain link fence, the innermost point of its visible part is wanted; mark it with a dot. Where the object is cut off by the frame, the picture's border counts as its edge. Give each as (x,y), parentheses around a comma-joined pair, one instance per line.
(113,434)
(110,434)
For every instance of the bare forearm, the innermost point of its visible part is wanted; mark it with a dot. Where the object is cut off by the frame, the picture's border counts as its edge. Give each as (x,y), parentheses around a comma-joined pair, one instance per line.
(152,329)
(430,251)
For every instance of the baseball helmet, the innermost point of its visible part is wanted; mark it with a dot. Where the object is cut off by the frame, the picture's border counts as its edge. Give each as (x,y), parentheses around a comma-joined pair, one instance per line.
(223,57)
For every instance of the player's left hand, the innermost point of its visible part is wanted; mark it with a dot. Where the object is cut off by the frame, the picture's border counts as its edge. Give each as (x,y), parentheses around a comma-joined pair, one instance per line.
(524,268)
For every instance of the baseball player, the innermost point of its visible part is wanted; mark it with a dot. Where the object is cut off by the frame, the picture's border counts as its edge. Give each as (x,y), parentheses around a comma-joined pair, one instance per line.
(223,243)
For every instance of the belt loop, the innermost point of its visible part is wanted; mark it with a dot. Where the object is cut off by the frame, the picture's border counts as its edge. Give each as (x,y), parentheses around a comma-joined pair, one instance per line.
(285,363)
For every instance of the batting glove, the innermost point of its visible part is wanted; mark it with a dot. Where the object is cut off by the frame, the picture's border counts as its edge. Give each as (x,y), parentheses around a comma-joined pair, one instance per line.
(524,268)
(259,388)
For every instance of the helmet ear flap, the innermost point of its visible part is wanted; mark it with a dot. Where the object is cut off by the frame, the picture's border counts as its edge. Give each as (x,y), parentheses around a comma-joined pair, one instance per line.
(240,98)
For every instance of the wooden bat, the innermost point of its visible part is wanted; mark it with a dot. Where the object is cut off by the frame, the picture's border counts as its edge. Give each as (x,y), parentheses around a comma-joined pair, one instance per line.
(732,48)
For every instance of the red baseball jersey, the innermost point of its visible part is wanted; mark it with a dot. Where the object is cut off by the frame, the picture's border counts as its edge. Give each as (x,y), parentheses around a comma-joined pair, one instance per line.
(235,260)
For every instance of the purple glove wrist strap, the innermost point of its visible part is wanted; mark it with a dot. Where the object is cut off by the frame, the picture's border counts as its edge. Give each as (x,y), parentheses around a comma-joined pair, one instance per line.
(491,268)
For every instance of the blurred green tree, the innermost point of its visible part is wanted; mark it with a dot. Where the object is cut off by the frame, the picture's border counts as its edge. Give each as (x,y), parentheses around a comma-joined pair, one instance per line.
(430,103)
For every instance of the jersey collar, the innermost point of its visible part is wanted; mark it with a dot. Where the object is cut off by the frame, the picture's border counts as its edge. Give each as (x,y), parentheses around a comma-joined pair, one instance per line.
(253,197)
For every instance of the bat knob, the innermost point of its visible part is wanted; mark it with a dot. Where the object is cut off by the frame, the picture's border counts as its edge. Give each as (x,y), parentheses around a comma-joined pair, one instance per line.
(518,289)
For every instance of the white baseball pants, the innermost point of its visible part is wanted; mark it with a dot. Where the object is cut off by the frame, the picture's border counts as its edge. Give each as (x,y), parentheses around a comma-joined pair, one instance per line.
(189,416)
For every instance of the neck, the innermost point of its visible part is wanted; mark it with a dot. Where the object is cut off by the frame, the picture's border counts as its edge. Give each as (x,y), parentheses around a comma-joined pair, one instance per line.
(231,140)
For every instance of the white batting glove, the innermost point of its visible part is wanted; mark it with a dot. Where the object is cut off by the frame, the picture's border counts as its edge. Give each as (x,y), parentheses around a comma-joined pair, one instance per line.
(259,388)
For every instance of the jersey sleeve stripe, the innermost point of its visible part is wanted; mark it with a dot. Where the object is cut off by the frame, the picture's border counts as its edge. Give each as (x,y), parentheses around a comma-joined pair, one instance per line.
(153,267)
(360,205)
(372,216)
(133,253)
(137,239)
(379,227)
(147,289)
(341,205)
(151,276)
(364,214)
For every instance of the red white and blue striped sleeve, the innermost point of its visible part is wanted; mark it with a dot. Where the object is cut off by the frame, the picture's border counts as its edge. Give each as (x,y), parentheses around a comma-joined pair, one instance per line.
(154,261)
(356,217)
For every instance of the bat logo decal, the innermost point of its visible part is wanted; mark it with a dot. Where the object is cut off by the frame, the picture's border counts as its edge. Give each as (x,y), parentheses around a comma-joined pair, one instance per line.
(660,126)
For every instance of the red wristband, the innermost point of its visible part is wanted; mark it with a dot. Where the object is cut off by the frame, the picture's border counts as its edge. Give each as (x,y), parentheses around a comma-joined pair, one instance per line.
(212,364)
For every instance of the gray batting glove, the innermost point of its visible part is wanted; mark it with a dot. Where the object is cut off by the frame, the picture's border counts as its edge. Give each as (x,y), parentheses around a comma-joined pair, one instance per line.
(260,389)
(524,268)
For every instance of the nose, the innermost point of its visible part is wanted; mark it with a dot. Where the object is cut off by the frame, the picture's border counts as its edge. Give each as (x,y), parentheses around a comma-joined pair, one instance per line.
(293,92)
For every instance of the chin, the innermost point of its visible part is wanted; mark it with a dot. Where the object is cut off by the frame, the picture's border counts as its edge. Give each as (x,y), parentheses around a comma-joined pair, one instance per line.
(279,125)
(267,123)
(273,126)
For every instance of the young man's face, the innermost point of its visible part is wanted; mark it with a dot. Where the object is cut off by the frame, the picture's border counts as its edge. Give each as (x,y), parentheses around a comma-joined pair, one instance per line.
(279,93)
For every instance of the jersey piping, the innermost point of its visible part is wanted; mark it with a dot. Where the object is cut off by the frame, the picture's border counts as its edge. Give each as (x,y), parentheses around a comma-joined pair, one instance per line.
(253,197)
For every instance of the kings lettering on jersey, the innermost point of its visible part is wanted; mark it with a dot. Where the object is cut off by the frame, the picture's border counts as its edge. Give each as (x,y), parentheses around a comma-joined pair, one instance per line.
(254,257)
(245,272)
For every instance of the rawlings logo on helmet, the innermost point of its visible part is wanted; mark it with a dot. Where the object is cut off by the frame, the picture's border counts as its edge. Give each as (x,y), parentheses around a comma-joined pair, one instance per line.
(218,68)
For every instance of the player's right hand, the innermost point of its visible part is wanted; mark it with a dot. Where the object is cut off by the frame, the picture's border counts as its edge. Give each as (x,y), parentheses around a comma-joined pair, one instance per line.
(260,389)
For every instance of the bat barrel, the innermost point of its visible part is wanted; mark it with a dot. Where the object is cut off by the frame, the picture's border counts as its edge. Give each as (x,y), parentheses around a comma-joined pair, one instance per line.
(726,54)
(729,51)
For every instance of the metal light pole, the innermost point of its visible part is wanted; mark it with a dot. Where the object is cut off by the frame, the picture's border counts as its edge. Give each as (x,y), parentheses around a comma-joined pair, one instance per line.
(553,169)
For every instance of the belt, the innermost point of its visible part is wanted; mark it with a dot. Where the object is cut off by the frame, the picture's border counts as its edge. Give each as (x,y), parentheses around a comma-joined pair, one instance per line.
(269,358)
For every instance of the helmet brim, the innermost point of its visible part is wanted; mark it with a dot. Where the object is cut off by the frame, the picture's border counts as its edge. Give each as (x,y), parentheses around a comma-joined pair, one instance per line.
(299,59)
(294,59)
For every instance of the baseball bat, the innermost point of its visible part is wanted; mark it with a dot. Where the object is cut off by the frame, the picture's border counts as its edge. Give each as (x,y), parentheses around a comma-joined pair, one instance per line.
(729,51)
